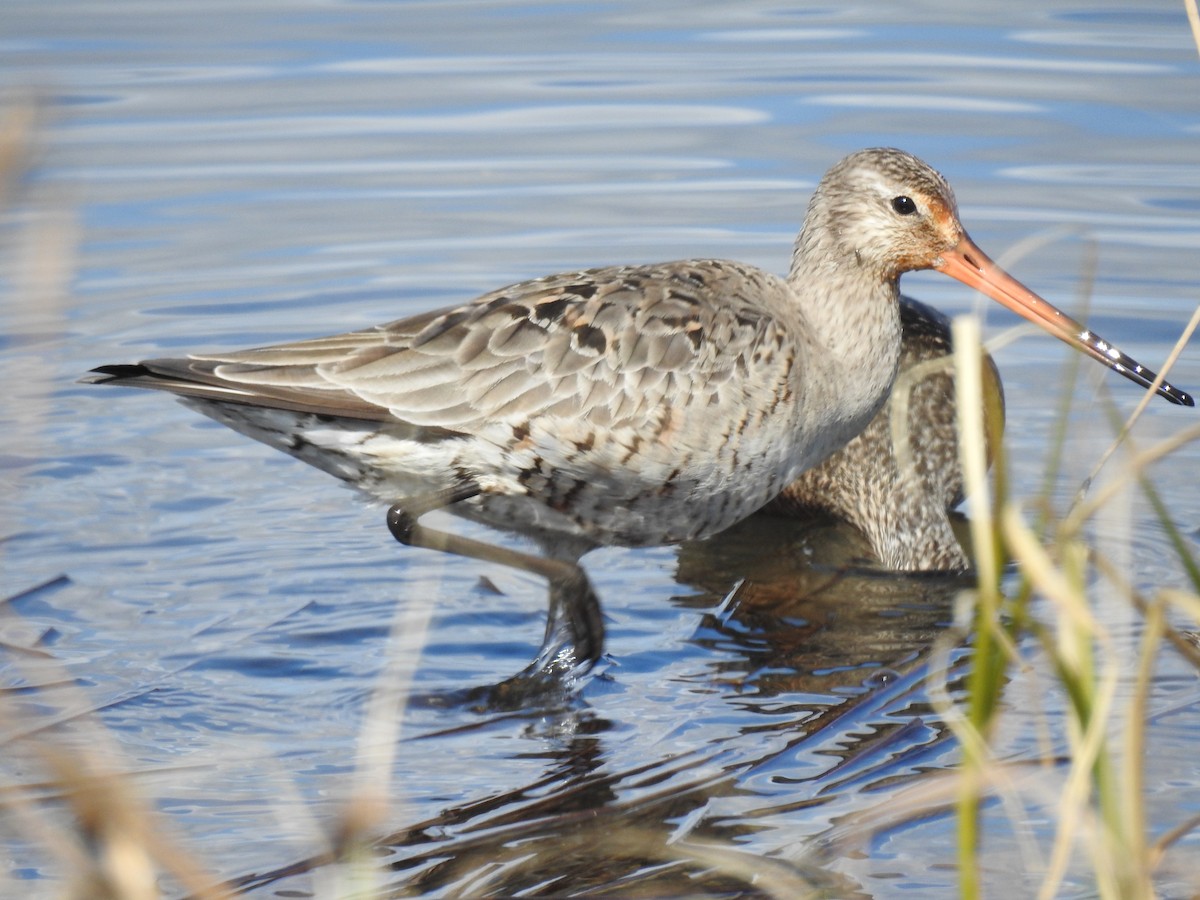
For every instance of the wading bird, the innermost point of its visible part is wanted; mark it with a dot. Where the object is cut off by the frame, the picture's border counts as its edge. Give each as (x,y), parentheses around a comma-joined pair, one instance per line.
(630,405)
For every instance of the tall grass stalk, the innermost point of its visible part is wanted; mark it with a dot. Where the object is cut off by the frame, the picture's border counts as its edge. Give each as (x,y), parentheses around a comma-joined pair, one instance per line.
(1100,806)
(988,662)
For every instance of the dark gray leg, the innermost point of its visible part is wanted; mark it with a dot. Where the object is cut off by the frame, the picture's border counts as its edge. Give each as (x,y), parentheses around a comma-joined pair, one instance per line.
(574,637)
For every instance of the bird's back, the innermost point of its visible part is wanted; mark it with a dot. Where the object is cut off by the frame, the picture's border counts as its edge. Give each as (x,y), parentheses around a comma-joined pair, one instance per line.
(639,404)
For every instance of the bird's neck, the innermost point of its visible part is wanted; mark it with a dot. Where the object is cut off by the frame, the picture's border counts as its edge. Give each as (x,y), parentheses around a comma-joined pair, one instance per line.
(852,319)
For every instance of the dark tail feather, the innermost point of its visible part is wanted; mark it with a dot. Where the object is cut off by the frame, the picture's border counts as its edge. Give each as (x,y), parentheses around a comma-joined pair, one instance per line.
(105,374)
(196,379)
(141,375)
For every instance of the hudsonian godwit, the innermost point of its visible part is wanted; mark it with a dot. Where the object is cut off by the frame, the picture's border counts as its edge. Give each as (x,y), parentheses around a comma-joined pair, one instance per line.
(629,405)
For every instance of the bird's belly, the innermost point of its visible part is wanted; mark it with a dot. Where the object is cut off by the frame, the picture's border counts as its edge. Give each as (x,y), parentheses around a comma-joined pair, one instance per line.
(617,487)
(635,518)
(608,488)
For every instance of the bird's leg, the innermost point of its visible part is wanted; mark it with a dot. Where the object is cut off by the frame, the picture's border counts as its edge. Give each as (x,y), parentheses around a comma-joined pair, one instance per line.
(574,637)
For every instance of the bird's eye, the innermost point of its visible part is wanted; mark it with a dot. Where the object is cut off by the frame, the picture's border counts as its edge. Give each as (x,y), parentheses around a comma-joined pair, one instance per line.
(904,205)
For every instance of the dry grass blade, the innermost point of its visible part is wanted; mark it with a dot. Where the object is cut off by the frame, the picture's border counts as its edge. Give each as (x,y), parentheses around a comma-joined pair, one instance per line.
(968,397)
(1180,831)
(1193,20)
(77,805)
(126,850)
(115,847)
(971,730)
(351,868)
(1133,785)
(1038,567)
(1189,604)
(1134,470)
(84,812)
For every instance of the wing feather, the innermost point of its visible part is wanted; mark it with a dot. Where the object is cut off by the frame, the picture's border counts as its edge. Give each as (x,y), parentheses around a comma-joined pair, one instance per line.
(609,344)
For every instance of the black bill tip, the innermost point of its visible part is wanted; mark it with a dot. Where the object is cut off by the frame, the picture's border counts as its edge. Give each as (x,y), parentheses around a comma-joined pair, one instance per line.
(1132,369)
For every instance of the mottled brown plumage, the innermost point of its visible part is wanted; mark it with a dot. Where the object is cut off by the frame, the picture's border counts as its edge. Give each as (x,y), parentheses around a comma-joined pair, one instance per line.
(629,405)
(902,506)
